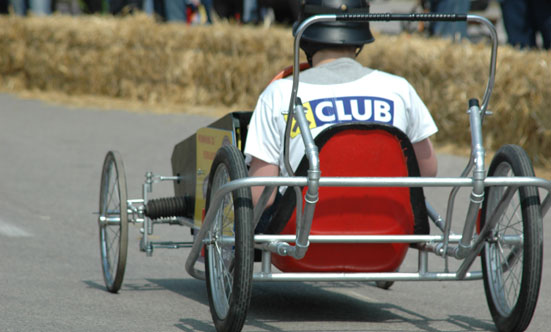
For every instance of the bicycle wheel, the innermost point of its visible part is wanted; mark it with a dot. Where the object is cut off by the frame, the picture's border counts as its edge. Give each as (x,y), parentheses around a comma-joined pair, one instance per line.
(229,266)
(113,221)
(512,268)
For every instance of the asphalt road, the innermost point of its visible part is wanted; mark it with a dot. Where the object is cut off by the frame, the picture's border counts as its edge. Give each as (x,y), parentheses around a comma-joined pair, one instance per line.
(50,274)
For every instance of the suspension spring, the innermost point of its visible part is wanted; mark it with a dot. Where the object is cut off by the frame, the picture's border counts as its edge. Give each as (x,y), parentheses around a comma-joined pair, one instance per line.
(169,207)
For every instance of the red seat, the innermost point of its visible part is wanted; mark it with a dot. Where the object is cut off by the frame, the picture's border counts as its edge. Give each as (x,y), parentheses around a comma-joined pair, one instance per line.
(363,150)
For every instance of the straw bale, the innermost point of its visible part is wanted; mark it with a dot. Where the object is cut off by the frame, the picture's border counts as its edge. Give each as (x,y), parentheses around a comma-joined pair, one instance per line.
(134,58)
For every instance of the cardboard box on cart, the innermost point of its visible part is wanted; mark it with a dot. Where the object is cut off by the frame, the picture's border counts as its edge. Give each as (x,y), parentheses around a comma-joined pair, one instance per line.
(192,158)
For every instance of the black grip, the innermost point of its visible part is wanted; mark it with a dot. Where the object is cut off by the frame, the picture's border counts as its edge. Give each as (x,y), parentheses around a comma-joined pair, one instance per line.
(426,17)
(473,102)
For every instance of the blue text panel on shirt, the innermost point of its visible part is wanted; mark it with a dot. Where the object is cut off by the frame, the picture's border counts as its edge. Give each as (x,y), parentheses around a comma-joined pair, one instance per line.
(324,111)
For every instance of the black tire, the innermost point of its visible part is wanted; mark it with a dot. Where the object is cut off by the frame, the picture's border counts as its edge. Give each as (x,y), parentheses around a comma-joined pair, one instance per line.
(113,221)
(229,267)
(512,272)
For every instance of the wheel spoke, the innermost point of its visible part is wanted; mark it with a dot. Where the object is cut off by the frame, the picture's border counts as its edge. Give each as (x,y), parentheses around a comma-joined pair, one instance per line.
(113,188)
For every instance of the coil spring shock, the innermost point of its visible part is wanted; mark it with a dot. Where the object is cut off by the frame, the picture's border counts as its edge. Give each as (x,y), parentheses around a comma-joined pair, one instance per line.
(169,207)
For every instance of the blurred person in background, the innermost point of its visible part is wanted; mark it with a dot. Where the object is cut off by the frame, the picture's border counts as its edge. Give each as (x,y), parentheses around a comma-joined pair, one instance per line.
(36,7)
(185,10)
(4,4)
(124,6)
(523,19)
(207,4)
(252,12)
(176,10)
(455,30)
(93,6)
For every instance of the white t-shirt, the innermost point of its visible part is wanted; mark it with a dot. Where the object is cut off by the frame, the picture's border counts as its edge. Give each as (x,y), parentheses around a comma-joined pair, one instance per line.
(360,94)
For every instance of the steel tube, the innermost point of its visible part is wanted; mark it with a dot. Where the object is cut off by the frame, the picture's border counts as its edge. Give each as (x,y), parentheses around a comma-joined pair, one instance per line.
(358,238)
(493,59)
(390,276)
(380,182)
(479,173)
(311,197)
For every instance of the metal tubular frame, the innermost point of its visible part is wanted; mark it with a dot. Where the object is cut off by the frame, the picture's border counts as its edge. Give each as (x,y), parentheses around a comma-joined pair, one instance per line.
(468,243)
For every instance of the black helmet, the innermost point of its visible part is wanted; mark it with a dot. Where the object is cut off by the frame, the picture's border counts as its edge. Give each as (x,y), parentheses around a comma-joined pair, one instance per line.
(324,35)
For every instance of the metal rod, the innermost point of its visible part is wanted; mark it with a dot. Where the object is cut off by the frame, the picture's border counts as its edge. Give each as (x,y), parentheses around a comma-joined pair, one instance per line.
(389,276)
(380,182)
(109,221)
(479,173)
(435,217)
(266,262)
(493,59)
(304,224)
(423,262)
(357,238)
(171,245)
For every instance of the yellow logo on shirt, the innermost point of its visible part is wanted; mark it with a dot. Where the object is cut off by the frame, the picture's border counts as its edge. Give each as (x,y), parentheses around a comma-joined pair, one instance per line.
(295,129)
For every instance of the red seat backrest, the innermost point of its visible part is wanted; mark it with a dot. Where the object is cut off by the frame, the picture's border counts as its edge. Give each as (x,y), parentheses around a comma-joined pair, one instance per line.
(362,151)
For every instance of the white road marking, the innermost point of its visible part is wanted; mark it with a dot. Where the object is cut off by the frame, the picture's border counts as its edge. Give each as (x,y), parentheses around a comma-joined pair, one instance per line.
(10,230)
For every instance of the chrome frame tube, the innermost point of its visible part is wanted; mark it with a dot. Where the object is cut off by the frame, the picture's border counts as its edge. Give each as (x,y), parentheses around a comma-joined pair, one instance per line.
(265,241)
(478,154)
(375,276)
(399,182)
(435,217)
(493,59)
(304,224)
(356,238)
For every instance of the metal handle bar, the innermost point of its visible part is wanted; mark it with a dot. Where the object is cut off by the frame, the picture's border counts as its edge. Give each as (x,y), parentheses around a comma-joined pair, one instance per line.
(427,17)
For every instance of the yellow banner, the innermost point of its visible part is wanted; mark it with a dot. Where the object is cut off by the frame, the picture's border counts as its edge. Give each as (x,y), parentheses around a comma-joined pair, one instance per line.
(209,140)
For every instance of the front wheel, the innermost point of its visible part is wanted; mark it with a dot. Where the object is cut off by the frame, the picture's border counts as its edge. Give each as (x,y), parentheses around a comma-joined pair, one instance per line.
(113,221)
(512,255)
(229,254)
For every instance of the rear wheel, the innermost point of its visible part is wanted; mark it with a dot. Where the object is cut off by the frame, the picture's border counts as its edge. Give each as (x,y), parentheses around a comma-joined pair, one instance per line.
(229,264)
(113,221)
(512,256)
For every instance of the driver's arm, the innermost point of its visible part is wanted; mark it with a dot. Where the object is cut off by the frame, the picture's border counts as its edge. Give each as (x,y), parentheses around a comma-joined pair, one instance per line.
(426,158)
(261,168)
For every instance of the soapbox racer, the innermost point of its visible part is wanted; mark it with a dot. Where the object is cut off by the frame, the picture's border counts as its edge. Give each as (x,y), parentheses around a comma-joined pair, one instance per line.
(352,209)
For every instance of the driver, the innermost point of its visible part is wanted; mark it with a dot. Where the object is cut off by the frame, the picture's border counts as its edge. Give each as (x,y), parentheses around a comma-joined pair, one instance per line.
(335,89)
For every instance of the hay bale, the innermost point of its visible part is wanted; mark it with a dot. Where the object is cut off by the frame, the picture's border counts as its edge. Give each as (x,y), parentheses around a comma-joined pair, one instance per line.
(134,58)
